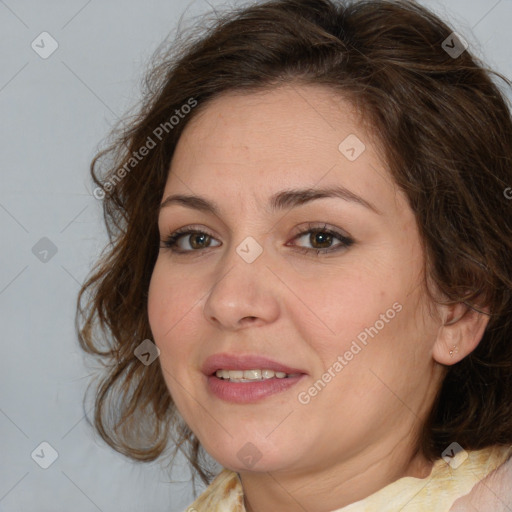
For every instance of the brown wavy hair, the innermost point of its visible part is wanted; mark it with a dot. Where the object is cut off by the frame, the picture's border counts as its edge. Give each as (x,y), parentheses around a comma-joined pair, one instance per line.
(445,129)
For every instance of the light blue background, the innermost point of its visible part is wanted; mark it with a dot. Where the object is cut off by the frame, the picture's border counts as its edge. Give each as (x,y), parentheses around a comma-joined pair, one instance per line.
(54,114)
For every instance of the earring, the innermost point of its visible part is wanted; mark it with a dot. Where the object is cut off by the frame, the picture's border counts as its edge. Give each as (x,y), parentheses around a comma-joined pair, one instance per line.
(456,350)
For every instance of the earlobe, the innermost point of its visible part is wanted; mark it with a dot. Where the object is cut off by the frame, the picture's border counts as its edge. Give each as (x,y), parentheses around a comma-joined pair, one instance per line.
(459,334)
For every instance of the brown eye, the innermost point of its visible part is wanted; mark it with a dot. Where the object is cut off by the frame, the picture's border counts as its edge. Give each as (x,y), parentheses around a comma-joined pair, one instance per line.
(188,240)
(323,239)
(199,240)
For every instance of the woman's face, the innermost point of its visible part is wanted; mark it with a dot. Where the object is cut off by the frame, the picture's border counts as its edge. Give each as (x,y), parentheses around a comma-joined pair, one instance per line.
(351,319)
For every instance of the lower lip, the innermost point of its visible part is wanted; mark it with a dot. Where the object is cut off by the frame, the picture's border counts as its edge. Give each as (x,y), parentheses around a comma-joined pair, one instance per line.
(247,392)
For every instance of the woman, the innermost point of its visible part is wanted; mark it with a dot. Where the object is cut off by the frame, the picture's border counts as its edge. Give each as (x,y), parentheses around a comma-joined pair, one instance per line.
(309,277)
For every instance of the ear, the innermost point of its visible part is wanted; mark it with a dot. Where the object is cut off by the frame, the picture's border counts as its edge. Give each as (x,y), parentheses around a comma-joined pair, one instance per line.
(460,333)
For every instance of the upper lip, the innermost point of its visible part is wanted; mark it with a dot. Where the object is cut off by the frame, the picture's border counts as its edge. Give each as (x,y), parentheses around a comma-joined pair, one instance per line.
(244,362)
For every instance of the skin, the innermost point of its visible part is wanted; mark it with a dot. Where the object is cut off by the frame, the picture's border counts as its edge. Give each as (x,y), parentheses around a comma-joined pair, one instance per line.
(359,433)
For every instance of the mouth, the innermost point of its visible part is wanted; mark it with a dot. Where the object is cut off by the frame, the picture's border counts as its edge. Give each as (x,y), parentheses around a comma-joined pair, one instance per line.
(253,375)
(245,379)
(247,391)
(247,367)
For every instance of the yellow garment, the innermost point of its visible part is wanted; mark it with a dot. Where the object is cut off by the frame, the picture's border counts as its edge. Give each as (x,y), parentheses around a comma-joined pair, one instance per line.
(435,493)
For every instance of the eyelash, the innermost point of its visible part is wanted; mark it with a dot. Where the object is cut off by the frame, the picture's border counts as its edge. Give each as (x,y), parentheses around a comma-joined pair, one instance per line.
(172,240)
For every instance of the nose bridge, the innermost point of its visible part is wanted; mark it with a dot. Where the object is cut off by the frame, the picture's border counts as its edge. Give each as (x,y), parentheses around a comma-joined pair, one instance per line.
(249,229)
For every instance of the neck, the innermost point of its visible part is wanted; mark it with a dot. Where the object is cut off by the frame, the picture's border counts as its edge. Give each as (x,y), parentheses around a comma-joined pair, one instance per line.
(330,489)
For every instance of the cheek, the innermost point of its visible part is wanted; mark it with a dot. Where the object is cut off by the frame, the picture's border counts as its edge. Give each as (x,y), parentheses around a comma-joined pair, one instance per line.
(343,302)
(367,310)
(167,313)
(173,308)
(170,299)
(157,302)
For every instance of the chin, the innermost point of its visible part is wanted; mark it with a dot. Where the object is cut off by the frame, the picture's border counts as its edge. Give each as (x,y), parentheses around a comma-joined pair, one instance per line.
(250,457)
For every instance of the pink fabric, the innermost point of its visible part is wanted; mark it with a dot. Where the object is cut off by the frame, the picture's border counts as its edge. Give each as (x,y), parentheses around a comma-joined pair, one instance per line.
(492,494)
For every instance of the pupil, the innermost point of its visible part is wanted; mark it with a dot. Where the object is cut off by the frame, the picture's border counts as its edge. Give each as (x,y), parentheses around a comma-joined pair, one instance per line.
(320,238)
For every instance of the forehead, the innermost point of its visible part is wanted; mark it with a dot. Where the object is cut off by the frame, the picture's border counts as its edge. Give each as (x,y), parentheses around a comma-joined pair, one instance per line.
(291,136)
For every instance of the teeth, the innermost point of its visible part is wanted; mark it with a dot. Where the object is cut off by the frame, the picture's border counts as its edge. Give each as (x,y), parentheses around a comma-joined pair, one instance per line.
(250,375)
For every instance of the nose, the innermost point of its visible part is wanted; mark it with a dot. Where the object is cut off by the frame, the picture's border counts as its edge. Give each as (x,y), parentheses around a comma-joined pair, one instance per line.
(243,293)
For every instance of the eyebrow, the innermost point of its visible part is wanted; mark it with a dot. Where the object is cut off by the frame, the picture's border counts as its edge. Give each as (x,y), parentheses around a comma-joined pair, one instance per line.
(279,201)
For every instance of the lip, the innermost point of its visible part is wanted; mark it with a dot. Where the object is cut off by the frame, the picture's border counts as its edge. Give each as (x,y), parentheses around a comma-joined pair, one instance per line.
(244,362)
(249,392)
